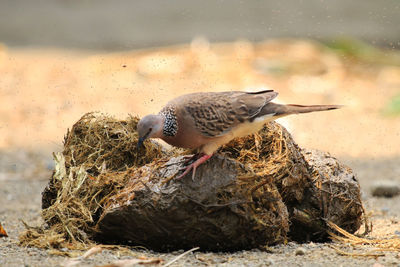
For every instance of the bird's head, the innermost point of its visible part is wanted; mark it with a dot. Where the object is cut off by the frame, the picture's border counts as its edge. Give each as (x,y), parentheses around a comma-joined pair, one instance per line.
(150,126)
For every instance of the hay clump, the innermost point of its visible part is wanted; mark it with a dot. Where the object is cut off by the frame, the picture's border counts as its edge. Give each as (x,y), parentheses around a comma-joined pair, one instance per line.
(73,199)
(272,153)
(98,143)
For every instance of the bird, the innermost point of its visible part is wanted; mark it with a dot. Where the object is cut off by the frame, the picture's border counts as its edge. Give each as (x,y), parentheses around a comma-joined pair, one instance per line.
(207,120)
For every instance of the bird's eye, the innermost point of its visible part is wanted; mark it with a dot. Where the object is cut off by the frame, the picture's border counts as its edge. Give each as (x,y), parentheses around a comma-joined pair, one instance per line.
(150,130)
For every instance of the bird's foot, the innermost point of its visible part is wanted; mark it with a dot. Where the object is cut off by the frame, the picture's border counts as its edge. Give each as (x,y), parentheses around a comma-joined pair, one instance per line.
(194,165)
(190,157)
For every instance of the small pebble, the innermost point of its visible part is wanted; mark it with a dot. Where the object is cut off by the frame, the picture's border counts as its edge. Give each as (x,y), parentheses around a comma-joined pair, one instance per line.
(385,188)
(300,251)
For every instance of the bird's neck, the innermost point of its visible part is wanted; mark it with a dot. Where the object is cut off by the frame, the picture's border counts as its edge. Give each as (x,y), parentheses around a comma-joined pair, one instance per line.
(170,121)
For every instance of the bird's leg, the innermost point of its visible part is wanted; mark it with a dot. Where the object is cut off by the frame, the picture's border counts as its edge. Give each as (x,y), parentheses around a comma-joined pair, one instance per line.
(194,165)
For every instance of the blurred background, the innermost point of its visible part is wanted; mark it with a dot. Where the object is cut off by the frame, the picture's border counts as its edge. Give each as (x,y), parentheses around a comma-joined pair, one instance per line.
(62,58)
(126,24)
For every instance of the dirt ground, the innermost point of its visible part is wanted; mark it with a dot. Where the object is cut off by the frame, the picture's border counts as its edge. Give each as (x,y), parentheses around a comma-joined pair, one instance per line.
(42,93)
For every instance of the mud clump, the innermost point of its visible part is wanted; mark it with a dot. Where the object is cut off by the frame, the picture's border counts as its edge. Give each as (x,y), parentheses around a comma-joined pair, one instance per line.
(256,191)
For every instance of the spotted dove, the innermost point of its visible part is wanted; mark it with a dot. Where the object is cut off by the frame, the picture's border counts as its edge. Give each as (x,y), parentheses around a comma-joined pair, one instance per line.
(206,121)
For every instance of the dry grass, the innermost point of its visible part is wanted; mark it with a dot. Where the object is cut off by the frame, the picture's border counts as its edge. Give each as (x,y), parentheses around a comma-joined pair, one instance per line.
(342,236)
(267,155)
(100,143)
(96,145)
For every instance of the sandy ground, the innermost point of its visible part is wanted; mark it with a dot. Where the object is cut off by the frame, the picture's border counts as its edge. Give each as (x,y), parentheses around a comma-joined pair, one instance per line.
(42,93)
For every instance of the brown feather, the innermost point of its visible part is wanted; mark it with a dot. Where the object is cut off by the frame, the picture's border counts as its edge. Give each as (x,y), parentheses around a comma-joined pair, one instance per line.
(215,113)
(284,110)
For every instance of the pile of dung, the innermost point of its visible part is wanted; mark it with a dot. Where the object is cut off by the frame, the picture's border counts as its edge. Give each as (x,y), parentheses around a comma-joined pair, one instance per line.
(315,186)
(248,195)
(216,211)
(73,199)
(334,196)
(272,153)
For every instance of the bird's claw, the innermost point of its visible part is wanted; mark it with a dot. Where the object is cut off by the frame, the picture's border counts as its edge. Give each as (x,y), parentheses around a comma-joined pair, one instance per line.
(187,170)
(194,165)
(189,158)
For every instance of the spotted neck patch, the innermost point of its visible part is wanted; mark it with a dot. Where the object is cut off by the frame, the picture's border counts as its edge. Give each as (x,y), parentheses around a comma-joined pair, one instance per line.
(171,122)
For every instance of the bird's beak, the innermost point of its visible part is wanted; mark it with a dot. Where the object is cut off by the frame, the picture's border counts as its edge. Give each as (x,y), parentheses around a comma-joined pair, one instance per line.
(140,142)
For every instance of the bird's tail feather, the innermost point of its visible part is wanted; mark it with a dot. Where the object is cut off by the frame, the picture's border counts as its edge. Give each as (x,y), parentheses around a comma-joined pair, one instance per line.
(295,109)
(281,110)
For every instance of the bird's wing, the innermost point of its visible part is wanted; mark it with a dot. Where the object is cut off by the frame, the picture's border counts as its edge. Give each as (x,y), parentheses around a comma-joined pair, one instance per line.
(215,114)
